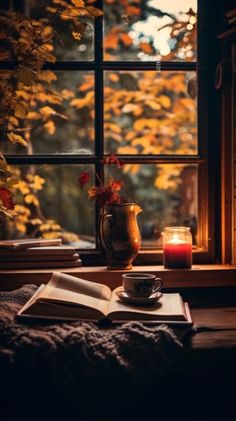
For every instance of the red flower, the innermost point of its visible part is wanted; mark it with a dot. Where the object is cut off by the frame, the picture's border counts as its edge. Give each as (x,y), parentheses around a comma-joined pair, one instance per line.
(112,159)
(6,198)
(83,179)
(105,194)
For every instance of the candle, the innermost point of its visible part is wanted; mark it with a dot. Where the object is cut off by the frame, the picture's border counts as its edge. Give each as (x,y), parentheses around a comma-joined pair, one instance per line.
(177,247)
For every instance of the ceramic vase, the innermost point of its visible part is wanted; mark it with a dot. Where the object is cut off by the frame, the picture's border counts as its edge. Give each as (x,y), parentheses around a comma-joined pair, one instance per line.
(119,234)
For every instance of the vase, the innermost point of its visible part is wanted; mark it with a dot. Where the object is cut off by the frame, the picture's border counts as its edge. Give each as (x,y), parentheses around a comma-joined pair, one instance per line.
(119,234)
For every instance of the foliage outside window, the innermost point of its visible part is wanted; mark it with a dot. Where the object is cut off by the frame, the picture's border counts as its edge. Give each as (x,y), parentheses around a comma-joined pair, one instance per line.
(124,83)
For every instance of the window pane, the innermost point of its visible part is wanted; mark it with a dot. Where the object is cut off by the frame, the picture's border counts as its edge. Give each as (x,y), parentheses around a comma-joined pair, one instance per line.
(149,112)
(150,30)
(51,204)
(167,194)
(65,46)
(61,118)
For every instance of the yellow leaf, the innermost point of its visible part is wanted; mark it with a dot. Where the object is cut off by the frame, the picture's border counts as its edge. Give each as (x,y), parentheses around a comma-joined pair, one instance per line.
(16,138)
(44,227)
(47,76)
(76,35)
(94,11)
(67,94)
(32,115)
(37,182)
(78,3)
(153,105)
(47,111)
(127,150)
(21,110)
(50,127)
(51,235)
(13,120)
(164,101)
(31,199)
(141,123)
(112,126)
(21,227)
(113,77)
(22,186)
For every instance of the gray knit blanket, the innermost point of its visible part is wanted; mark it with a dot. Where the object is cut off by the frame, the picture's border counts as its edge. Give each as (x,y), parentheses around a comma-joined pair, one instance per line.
(78,370)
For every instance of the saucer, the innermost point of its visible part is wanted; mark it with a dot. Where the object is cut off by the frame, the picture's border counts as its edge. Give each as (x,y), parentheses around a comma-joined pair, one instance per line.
(121,294)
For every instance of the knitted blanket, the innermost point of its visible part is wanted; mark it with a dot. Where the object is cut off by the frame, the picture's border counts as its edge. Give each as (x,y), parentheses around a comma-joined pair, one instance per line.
(76,370)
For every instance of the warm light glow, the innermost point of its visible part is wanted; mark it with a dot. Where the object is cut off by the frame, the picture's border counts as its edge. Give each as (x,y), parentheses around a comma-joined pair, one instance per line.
(176,240)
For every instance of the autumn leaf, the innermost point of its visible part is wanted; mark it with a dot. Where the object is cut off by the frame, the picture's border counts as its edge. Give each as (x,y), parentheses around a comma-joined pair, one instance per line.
(78,3)
(50,127)
(47,76)
(31,199)
(16,138)
(94,11)
(67,94)
(21,110)
(83,179)
(145,47)
(6,198)
(112,159)
(126,39)
(76,35)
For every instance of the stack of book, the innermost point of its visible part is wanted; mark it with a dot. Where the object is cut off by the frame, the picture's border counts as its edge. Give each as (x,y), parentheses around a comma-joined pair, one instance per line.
(37,253)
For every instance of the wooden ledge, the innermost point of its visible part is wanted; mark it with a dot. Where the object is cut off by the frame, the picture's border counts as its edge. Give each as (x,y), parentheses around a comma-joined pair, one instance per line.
(198,276)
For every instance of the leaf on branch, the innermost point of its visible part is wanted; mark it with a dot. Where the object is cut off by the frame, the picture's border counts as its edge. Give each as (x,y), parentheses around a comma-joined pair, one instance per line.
(13,120)
(47,76)
(16,138)
(33,115)
(67,94)
(164,101)
(21,110)
(50,127)
(6,198)
(78,3)
(145,47)
(31,199)
(23,187)
(76,35)
(94,11)
(126,39)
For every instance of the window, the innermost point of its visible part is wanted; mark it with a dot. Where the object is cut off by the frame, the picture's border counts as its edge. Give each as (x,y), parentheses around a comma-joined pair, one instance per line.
(137,84)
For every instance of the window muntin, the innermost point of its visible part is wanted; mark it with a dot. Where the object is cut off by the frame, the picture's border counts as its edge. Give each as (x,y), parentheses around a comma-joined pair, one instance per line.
(198,159)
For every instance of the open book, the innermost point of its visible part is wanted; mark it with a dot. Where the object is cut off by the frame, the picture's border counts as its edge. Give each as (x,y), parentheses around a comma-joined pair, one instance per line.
(66,297)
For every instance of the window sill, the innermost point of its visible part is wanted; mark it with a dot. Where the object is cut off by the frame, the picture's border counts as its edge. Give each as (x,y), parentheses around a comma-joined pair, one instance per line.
(199,276)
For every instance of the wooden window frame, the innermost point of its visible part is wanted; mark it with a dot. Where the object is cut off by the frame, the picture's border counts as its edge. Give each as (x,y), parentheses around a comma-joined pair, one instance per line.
(208,157)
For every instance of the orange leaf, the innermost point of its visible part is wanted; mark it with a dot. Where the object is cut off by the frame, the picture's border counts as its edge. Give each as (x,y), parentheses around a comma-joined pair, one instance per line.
(50,127)
(126,39)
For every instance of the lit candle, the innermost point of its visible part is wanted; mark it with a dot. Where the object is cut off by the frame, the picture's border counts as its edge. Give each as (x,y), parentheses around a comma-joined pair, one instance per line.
(177,247)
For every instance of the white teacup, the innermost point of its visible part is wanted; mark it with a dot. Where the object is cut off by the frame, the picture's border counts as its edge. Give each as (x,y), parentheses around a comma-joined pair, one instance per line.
(138,284)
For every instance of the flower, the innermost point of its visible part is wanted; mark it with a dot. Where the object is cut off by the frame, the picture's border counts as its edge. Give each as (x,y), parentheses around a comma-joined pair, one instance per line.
(104,194)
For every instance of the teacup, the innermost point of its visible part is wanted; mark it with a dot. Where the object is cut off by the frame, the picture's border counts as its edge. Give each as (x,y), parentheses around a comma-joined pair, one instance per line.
(138,284)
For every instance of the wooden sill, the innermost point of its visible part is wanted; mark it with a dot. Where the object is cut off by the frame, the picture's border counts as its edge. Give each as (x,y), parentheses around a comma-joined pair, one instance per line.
(198,276)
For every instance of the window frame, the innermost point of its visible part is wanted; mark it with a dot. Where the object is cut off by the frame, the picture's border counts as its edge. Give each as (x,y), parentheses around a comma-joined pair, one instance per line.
(208,157)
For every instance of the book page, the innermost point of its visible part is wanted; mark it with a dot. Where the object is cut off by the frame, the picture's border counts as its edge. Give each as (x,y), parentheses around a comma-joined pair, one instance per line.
(168,307)
(71,283)
(69,290)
